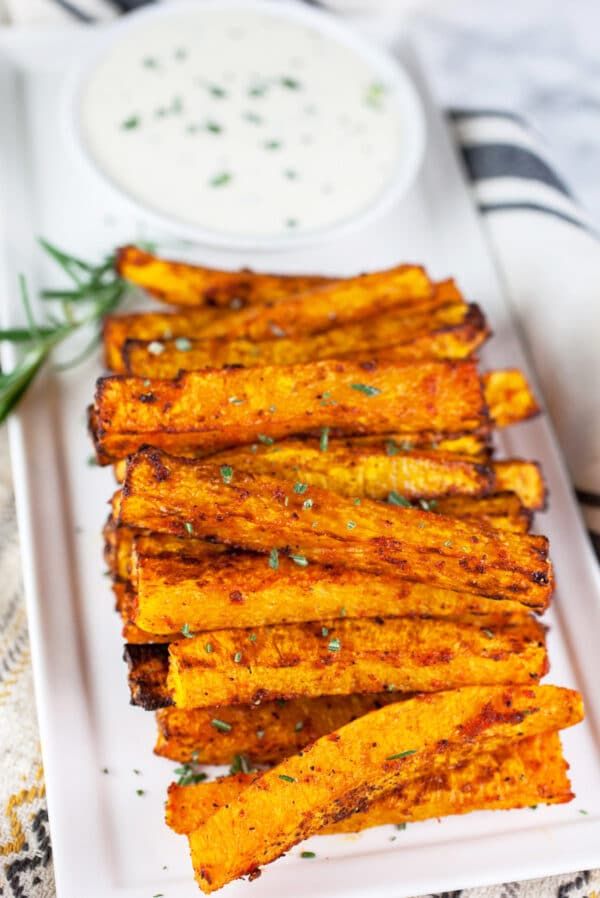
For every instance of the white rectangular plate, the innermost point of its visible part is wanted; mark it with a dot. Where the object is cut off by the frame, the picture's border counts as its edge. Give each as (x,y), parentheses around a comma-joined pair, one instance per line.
(108,841)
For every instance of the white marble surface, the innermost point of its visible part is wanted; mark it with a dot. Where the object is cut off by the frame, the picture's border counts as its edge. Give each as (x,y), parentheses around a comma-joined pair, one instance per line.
(537,57)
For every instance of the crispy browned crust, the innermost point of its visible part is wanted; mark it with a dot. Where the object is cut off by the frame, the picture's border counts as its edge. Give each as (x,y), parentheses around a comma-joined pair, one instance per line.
(343,657)
(452,331)
(264,733)
(508,392)
(195,411)
(258,512)
(361,762)
(519,775)
(148,666)
(183,284)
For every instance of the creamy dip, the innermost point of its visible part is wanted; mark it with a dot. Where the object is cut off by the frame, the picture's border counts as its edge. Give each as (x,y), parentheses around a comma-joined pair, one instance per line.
(241,122)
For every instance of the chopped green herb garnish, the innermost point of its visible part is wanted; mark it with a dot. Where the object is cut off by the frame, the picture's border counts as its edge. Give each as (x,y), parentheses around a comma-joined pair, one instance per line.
(582,811)
(343,612)
(183,344)
(356,501)
(290,83)
(274,559)
(260,734)
(334,645)
(213,127)
(375,94)
(216,91)
(391,447)
(221,725)
(291,222)
(189,774)
(235,401)
(427,504)
(391,687)
(268,441)
(237,658)
(252,637)
(240,764)
(208,648)
(105,770)
(187,632)
(226,473)
(488,633)
(324,631)
(257,90)
(139,792)
(395,498)
(307,854)
(155,347)
(299,725)
(189,527)
(220,180)
(130,123)
(324,441)
(300,488)
(286,778)
(308,503)
(350,525)
(367,389)
(150,62)
(402,754)
(300,560)
(253,117)
(92,461)
(400,826)
(291,174)
(272,144)
(447,543)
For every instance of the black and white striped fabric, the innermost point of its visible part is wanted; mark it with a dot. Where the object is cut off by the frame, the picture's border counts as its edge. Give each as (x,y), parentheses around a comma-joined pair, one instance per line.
(548,253)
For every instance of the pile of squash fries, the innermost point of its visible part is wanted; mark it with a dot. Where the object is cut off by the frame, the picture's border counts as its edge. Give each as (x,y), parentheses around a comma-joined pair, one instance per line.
(325,577)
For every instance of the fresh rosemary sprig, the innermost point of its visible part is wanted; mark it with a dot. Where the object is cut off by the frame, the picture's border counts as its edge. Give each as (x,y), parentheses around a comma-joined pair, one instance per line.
(97,290)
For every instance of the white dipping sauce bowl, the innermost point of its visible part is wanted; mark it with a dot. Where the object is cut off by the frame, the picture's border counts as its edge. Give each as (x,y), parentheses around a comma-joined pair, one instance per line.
(400,95)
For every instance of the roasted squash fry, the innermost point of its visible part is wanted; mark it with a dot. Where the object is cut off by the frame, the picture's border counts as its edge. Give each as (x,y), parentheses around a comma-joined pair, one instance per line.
(148,666)
(511,397)
(216,409)
(183,284)
(452,331)
(523,478)
(341,657)
(517,775)
(178,496)
(502,511)
(297,316)
(240,590)
(364,760)
(265,733)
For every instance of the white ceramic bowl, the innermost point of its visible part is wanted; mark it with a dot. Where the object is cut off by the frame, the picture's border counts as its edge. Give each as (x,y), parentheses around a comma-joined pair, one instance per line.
(400,91)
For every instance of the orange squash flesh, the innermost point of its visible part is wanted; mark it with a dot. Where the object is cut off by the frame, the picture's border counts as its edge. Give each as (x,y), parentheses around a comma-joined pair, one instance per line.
(214,409)
(343,657)
(517,775)
(258,512)
(183,284)
(510,395)
(264,733)
(363,761)
(452,331)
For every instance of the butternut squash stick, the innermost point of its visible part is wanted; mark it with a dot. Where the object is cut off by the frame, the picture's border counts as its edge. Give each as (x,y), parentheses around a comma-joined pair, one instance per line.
(508,393)
(453,331)
(182,283)
(264,733)
(240,590)
(363,761)
(341,657)
(215,409)
(296,316)
(186,498)
(517,775)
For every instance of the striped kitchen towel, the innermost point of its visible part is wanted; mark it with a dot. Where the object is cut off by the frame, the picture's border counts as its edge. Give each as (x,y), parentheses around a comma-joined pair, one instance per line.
(548,255)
